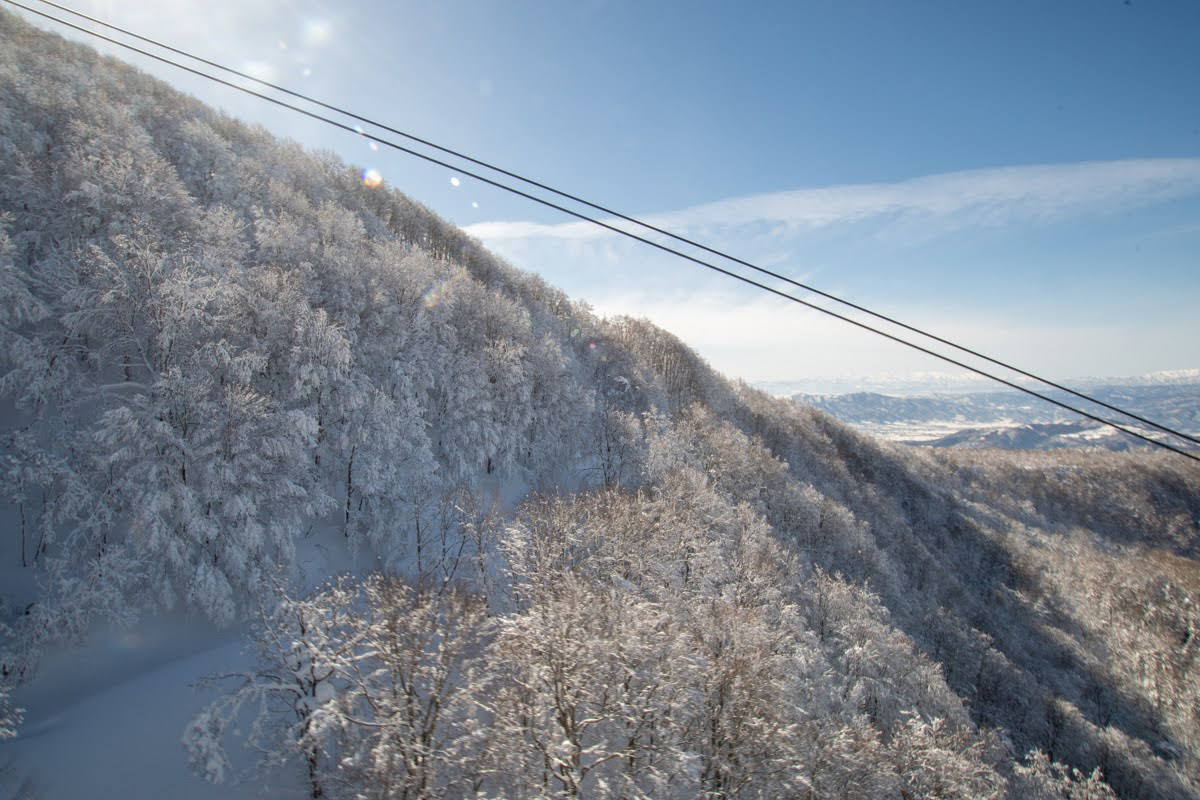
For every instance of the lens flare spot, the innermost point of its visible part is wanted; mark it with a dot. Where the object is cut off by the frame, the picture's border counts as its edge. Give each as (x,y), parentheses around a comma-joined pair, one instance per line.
(574,332)
(317,32)
(433,298)
(474,204)
(371,178)
(306,72)
(282,44)
(358,129)
(455,182)
(591,346)
(374,147)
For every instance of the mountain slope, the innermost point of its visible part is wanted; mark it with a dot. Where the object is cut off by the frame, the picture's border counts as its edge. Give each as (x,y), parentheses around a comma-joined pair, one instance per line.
(232,371)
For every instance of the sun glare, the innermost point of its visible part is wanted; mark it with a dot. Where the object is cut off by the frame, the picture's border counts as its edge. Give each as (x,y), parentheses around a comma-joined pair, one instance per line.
(371,178)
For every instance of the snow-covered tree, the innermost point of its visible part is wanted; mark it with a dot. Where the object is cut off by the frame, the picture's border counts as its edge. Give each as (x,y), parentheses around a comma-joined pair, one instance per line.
(10,716)
(289,703)
(1039,778)
(410,716)
(588,686)
(934,762)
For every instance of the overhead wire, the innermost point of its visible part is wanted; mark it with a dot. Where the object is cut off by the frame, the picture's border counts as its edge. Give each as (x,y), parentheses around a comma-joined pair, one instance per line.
(600,223)
(639,222)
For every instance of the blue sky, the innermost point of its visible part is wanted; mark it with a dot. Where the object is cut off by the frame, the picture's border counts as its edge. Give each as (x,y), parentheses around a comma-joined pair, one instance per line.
(1023,176)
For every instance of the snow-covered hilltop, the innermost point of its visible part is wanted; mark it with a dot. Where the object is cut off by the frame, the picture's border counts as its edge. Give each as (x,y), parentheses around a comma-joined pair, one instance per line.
(480,542)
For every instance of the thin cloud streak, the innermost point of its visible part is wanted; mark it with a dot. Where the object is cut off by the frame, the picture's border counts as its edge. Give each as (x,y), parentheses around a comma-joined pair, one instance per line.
(764,339)
(982,197)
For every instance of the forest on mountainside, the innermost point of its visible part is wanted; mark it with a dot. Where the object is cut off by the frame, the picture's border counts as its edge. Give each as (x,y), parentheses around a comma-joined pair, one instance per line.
(600,568)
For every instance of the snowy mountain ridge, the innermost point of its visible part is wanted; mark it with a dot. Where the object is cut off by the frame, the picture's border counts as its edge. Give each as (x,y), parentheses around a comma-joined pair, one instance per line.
(975,418)
(933,383)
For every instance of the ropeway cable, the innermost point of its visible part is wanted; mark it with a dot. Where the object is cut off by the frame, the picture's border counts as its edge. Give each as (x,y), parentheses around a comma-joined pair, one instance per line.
(584,217)
(641,223)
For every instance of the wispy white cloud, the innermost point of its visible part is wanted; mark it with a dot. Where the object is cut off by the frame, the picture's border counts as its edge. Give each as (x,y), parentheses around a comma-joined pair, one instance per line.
(493,231)
(1044,301)
(983,197)
(764,339)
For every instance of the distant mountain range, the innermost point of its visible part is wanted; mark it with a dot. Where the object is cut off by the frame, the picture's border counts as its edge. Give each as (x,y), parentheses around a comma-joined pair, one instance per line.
(921,384)
(1012,420)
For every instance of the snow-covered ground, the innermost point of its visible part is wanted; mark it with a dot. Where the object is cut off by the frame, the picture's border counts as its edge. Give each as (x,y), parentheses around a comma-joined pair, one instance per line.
(921,431)
(105,721)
